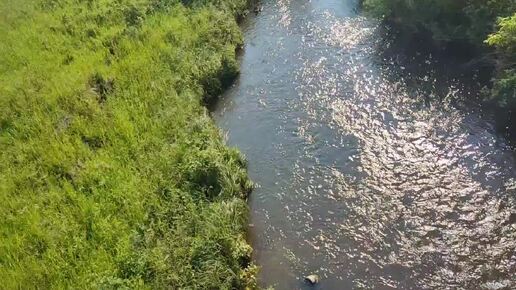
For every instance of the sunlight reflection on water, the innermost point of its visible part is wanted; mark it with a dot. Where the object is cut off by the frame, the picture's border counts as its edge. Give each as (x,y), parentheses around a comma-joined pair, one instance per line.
(369,176)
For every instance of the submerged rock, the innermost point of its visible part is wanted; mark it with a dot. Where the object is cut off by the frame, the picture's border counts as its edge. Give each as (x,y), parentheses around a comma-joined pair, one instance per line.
(258,9)
(312,279)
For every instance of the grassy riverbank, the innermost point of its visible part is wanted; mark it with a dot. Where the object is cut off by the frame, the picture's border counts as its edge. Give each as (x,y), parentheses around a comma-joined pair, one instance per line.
(112,175)
(487,27)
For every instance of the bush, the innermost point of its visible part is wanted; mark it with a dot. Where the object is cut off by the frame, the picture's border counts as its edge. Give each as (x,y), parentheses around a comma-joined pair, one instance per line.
(469,22)
(447,20)
(504,88)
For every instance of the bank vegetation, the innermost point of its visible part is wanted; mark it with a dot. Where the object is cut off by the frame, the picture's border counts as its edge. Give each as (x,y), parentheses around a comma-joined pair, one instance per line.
(112,174)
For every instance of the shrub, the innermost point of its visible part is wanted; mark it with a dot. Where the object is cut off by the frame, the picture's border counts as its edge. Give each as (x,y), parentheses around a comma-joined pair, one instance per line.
(504,88)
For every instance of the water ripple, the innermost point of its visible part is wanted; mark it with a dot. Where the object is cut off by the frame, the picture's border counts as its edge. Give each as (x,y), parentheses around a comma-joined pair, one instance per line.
(369,175)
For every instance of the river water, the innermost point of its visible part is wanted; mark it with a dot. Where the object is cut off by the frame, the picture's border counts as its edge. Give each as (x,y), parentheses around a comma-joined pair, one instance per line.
(368,173)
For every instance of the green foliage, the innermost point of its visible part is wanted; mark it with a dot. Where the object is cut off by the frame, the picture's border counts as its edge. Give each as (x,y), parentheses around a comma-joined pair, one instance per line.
(505,38)
(112,175)
(447,20)
(504,88)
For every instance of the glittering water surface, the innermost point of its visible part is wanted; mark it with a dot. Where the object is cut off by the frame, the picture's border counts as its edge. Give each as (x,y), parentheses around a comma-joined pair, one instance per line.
(367,174)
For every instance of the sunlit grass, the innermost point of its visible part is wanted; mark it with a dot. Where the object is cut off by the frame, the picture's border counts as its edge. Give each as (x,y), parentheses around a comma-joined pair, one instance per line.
(112,175)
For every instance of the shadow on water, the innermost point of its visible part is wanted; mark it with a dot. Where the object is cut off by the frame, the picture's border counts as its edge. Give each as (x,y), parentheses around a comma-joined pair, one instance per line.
(454,63)
(372,169)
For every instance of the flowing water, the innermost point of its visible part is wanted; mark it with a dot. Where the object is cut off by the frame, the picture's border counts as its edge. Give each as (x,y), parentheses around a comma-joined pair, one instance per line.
(368,173)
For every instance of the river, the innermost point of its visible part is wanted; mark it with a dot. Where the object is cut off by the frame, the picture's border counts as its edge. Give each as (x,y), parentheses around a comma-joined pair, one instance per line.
(368,173)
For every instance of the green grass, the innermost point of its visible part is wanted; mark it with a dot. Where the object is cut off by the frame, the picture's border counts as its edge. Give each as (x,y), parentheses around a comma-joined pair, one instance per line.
(112,174)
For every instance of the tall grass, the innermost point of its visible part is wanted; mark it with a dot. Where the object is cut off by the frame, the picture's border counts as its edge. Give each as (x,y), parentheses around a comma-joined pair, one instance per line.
(112,175)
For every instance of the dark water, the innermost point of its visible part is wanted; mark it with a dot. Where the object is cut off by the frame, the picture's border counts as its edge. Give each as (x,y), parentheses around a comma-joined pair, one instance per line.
(368,173)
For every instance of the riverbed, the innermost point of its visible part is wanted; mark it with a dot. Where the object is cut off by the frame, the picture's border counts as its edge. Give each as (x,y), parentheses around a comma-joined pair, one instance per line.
(370,171)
